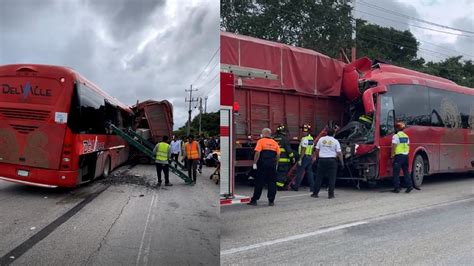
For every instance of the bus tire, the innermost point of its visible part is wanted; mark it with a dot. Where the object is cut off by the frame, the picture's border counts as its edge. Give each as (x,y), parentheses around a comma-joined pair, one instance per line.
(107,167)
(418,170)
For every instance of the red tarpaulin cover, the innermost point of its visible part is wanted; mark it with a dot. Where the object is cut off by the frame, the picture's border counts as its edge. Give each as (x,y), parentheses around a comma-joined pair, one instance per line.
(298,69)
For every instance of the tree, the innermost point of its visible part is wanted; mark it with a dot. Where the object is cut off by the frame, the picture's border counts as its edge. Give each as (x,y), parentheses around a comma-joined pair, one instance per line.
(324,26)
(209,125)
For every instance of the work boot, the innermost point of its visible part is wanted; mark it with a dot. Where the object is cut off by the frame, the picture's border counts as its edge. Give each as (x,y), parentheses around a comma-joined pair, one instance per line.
(331,196)
(271,204)
(158,184)
(395,190)
(314,195)
(409,190)
(253,203)
(168,184)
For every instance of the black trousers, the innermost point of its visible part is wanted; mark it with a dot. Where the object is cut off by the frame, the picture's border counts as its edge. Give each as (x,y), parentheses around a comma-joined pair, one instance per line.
(326,168)
(163,167)
(266,174)
(400,161)
(174,157)
(192,168)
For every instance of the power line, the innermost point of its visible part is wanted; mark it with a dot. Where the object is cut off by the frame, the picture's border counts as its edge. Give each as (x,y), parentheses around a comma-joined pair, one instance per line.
(210,60)
(413,25)
(211,70)
(410,17)
(405,46)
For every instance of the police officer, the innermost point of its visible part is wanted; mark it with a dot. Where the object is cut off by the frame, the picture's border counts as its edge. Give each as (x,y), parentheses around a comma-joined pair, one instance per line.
(305,151)
(400,150)
(287,157)
(267,153)
(162,152)
(327,150)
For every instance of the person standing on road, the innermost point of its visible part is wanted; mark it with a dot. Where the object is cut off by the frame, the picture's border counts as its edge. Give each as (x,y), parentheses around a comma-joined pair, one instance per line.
(175,150)
(305,162)
(192,156)
(162,154)
(400,150)
(202,144)
(287,157)
(327,150)
(265,162)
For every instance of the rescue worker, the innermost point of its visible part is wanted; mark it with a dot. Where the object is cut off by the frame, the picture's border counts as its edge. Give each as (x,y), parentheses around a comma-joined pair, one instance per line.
(287,157)
(267,153)
(400,150)
(162,154)
(192,156)
(366,120)
(305,162)
(327,150)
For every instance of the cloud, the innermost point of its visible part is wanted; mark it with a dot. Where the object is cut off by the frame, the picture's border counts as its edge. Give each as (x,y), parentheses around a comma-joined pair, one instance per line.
(434,46)
(134,50)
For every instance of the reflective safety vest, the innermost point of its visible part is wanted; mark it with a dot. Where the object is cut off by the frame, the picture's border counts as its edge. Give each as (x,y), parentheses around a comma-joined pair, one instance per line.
(192,152)
(403,147)
(285,156)
(162,152)
(309,148)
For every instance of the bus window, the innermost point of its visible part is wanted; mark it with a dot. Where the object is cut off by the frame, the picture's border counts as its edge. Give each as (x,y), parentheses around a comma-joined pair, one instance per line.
(74,120)
(92,111)
(387,115)
(412,104)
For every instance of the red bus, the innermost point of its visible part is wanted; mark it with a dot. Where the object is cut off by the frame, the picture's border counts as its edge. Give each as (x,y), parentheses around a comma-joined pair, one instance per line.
(53,127)
(438,113)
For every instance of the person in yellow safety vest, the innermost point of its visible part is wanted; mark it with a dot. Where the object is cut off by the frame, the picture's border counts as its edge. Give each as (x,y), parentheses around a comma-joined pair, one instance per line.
(305,162)
(287,157)
(192,155)
(162,153)
(400,151)
(366,120)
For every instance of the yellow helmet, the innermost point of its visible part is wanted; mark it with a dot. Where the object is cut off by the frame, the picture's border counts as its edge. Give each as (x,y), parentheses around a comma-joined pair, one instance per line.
(306,128)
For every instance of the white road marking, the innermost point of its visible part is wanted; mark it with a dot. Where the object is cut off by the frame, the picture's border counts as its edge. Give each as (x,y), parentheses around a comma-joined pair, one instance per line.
(291,238)
(343,226)
(145,229)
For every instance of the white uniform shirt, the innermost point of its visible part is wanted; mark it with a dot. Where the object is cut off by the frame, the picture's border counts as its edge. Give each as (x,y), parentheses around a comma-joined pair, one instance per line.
(175,146)
(328,147)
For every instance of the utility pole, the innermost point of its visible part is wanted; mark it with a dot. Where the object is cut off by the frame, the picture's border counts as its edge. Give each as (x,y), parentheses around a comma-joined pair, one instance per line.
(200,114)
(205,105)
(191,100)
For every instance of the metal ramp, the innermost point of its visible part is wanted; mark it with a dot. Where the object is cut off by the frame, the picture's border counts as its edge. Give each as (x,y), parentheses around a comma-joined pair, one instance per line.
(146,148)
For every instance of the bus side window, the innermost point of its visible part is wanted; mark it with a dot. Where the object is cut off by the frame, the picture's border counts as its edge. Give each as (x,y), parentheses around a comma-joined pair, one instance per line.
(387,115)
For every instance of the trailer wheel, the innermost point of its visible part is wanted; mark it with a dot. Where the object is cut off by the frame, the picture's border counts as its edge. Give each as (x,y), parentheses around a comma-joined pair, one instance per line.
(418,170)
(107,168)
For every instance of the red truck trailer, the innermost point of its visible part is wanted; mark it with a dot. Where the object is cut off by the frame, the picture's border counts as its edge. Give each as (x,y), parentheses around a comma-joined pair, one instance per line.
(153,119)
(306,90)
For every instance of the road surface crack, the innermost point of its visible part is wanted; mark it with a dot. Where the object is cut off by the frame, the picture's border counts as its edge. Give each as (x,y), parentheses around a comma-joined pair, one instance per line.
(104,239)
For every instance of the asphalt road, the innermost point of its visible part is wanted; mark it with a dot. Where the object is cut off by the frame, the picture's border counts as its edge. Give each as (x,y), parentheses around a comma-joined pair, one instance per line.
(120,221)
(434,226)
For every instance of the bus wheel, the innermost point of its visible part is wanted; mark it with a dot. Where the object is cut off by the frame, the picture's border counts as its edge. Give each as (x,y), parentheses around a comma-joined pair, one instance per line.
(418,171)
(107,167)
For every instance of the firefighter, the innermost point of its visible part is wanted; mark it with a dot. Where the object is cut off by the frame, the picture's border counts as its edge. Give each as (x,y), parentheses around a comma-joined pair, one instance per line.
(400,150)
(267,153)
(162,154)
(192,155)
(328,149)
(305,162)
(287,157)
(366,120)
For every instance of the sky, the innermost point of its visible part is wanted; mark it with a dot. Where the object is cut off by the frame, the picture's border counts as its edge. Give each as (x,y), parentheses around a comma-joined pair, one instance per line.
(434,45)
(132,49)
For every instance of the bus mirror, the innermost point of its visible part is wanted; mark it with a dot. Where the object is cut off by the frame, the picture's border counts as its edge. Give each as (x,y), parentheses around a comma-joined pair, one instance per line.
(368,99)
